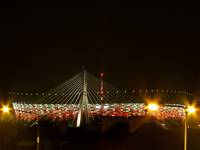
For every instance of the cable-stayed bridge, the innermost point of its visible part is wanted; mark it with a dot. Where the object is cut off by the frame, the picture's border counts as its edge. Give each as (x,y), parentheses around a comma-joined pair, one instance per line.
(85,97)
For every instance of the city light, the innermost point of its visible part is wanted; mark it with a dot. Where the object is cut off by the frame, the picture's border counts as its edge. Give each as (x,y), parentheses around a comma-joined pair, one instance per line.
(152,107)
(5,109)
(191,109)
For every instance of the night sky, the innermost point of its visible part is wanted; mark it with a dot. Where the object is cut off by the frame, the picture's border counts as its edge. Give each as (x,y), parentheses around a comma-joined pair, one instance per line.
(135,47)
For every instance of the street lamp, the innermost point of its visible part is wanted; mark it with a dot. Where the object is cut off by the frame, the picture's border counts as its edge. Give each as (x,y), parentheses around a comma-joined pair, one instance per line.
(152,107)
(191,109)
(188,110)
(38,134)
(5,109)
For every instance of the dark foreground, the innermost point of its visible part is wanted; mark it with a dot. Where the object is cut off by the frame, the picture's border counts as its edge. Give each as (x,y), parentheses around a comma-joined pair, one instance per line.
(58,137)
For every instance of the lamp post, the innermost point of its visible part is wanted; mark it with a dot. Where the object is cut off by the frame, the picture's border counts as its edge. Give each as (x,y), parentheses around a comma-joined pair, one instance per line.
(185,130)
(38,134)
(5,110)
(188,110)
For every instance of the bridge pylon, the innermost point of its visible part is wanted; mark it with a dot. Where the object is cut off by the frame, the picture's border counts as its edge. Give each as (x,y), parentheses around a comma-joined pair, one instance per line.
(83,114)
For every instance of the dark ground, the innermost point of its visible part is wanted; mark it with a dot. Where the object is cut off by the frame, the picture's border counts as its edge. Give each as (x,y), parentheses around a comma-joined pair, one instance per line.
(54,137)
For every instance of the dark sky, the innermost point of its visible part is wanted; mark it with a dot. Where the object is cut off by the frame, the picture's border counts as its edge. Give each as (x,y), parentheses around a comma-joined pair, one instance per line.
(135,47)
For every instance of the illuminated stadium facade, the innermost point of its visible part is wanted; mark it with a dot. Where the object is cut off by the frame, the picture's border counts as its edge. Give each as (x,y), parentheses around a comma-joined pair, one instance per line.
(85,97)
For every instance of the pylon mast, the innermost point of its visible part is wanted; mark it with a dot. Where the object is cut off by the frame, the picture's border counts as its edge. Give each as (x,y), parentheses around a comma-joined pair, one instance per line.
(85,98)
(101,86)
(83,107)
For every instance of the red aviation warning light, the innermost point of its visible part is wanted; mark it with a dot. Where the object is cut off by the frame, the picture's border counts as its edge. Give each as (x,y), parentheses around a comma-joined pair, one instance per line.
(101,85)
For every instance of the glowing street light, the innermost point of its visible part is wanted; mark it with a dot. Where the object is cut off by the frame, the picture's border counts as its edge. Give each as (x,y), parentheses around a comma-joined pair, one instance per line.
(188,110)
(5,109)
(152,107)
(191,109)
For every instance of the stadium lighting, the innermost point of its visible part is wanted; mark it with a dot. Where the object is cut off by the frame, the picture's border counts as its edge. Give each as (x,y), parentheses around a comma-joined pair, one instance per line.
(152,107)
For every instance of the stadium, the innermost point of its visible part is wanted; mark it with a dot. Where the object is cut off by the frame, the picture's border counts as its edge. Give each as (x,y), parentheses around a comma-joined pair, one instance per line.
(85,98)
